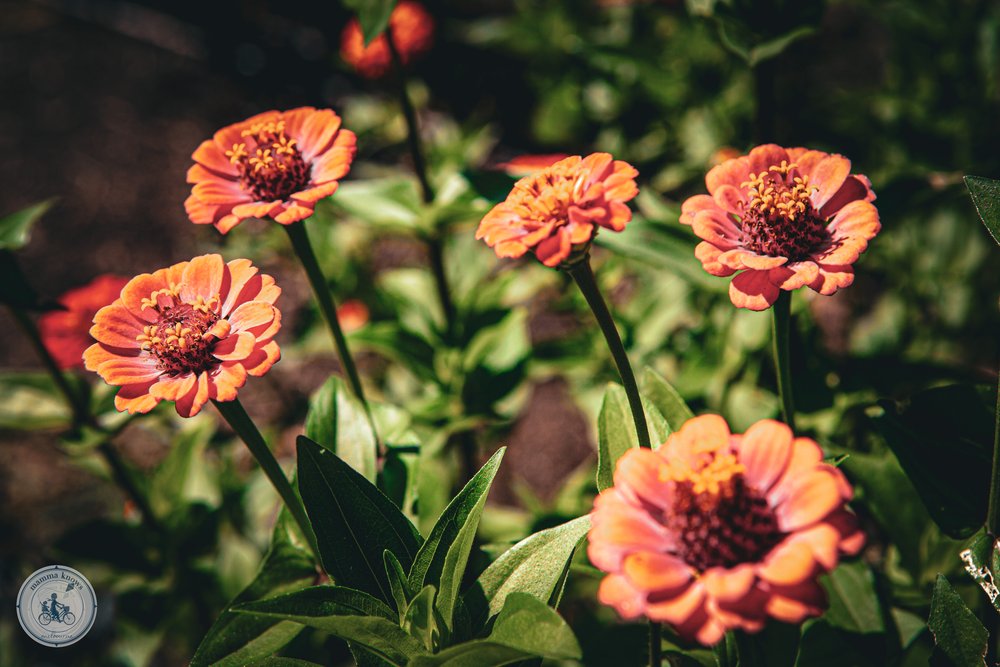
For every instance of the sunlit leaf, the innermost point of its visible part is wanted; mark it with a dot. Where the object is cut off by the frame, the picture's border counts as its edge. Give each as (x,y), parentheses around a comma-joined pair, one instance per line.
(337,421)
(854,604)
(15,228)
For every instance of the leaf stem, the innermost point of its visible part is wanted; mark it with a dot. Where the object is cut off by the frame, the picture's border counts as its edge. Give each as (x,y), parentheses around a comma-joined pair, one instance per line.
(584,277)
(780,331)
(299,237)
(239,420)
(120,471)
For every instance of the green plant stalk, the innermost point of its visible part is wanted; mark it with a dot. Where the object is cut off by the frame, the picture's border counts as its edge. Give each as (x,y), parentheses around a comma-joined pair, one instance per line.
(120,472)
(299,237)
(584,277)
(780,332)
(239,420)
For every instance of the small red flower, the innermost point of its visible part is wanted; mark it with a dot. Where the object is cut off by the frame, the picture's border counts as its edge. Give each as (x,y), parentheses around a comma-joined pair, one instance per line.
(786,218)
(66,333)
(556,212)
(188,333)
(412,32)
(352,315)
(716,531)
(276,165)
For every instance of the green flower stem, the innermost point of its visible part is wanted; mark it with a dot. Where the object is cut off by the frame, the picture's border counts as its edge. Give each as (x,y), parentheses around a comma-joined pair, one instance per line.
(993,511)
(120,472)
(584,277)
(413,130)
(239,420)
(303,249)
(780,330)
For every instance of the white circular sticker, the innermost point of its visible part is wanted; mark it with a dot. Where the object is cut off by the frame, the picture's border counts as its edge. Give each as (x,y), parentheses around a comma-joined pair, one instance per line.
(56,606)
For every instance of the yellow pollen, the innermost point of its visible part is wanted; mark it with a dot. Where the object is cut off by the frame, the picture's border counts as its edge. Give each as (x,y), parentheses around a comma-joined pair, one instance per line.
(237,154)
(707,468)
(771,195)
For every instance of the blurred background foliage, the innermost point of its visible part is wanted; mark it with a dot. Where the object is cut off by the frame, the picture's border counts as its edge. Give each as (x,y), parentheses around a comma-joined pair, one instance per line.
(106,100)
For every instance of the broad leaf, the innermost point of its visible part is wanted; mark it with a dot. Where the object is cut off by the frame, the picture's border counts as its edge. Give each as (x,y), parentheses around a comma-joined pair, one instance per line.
(354,522)
(15,229)
(958,634)
(943,439)
(349,614)
(615,434)
(234,639)
(373,15)
(854,604)
(664,398)
(536,565)
(420,620)
(30,401)
(337,421)
(525,628)
(442,558)
(982,563)
(986,197)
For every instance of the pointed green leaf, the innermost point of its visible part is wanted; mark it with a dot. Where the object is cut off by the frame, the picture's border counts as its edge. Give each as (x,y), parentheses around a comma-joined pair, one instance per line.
(442,558)
(536,565)
(958,634)
(234,639)
(665,398)
(337,421)
(282,662)
(615,434)
(349,614)
(982,563)
(525,628)
(986,197)
(854,604)
(397,580)
(15,229)
(354,521)
(373,15)
(420,620)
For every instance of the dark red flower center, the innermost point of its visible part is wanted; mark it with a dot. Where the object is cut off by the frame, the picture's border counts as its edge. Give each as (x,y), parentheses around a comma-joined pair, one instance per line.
(270,165)
(779,219)
(735,526)
(184,335)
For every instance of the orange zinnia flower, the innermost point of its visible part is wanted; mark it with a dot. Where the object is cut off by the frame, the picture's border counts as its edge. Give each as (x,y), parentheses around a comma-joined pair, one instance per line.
(786,218)
(277,165)
(66,333)
(412,33)
(523,165)
(188,333)
(555,212)
(716,531)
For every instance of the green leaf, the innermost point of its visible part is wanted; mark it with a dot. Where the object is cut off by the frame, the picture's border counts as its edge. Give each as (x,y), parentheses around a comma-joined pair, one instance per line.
(615,434)
(958,634)
(391,203)
(986,197)
(282,662)
(235,638)
(420,619)
(665,398)
(943,440)
(536,565)
(373,16)
(854,604)
(349,614)
(397,580)
(354,521)
(31,401)
(442,558)
(337,421)
(525,628)
(15,229)
(982,563)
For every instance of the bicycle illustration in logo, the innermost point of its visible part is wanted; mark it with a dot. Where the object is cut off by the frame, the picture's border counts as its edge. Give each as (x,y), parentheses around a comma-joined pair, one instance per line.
(53,610)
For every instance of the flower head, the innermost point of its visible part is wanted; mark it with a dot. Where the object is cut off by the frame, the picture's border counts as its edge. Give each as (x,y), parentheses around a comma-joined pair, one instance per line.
(188,333)
(412,30)
(784,217)
(352,315)
(716,531)
(555,212)
(277,165)
(66,333)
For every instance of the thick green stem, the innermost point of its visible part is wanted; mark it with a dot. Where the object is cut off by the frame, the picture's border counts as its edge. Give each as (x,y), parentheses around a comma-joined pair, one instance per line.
(303,249)
(413,130)
(120,472)
(993,511)
(584,277)
(239,420)
(780,331)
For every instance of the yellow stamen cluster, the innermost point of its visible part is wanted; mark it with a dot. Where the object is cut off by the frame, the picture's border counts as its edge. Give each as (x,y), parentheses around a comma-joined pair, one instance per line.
(710,471)
(773,197)
(268,161)
(184,334)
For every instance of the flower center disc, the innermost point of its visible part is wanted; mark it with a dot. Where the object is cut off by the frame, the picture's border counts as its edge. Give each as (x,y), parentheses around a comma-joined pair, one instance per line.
(547,195)
(780,219)
(270,166)
(183,337)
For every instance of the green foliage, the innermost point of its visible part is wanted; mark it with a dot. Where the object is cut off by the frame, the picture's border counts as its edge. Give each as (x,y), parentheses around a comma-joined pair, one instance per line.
(986,196)
(337,421)
(958,634)
(15,228)
(373,15)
